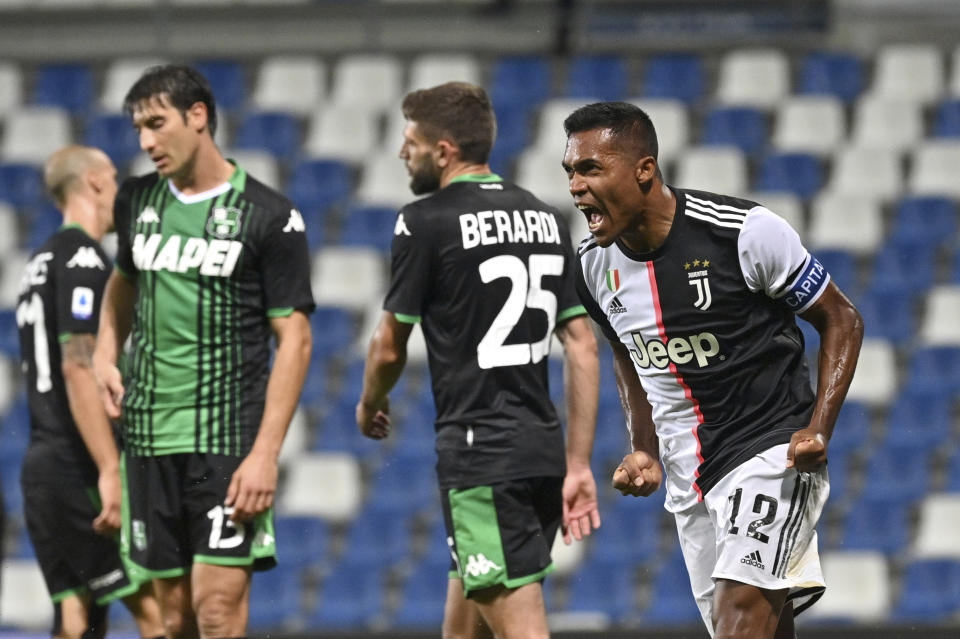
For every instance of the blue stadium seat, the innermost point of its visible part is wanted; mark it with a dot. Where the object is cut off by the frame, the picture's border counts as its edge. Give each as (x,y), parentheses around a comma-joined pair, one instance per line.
(797,173)
(946,122)
(677,75)
(838,468)
(378,540)
(888,315)
(513,135)
(333,331)
(897,475)
(604,77)
(423,594)
(416,492)
(44,222)
(924,220)
(603,586)
(9,334)
(934,372)
(918,422)
(227,80)
(273,131)
(836,74)
(631,529)
(369,226)
(350,597)
(275,597)
(21,185)
(842,267)
(112,133)
(612,441)
(316,185)
(876,522)
(69,86)
(853,428)
(899,267)
(526,79)
(301,539)
(953,472)
(339,432)
(742,127)
(672,601)
(930,593)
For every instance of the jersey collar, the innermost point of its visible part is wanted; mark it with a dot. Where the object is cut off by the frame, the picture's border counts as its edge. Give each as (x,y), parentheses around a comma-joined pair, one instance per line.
(236,181)
(477,177)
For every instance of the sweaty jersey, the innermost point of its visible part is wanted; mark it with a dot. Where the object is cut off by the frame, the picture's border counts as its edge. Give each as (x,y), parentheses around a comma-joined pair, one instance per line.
(59,296)
(489,271)
(709,320)
(210,269)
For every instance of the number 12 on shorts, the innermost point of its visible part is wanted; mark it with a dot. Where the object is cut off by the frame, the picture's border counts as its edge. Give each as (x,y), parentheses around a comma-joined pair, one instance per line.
(760,504)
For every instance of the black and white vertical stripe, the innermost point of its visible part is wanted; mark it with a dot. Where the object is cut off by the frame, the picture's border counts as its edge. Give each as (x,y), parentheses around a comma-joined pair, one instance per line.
(791,528)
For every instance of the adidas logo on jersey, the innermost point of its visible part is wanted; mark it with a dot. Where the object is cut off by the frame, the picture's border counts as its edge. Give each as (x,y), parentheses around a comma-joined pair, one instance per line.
(753,559)
(479,565)
(148,216)
(85,257)
(616,306)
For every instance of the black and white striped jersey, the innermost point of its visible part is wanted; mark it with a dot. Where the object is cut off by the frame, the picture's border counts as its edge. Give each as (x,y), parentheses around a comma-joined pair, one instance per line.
(709,320)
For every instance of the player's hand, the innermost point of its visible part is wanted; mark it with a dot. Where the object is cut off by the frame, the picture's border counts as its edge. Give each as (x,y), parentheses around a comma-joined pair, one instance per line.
(807,451)
(580,513)
(374,421)
(108,485)
(252,486)
(639,474)
(110,383)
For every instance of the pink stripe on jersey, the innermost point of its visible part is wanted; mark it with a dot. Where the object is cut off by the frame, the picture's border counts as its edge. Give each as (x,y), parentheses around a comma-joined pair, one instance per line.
(673,369)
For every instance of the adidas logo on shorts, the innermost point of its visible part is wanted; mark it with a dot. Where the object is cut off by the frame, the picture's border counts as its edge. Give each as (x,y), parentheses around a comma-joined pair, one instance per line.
(753,559)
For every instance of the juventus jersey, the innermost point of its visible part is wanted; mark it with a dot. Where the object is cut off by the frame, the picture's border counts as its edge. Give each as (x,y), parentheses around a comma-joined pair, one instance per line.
(211,269)
(59,296)
(489,271)
(709,321)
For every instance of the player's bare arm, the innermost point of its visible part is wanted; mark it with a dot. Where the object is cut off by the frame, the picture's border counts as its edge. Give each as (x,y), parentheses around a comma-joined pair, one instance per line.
(841,332)
(254,483)
(639,474)
(386,357)
(116,317)
(88,413)
(581,389)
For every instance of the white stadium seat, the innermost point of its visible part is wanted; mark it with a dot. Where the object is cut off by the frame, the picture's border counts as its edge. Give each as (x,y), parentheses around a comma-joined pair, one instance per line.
(867,172)
(858,587)
(11,87)
(845,222)
(353,278)
(941,321)
(290,83)
(371,82)
(341,132)
(326,485)
(9,233)
(260,164)
(934,169)
(120,76)
(909,72)
(383,182)
(11,270)
(540,172)
(954,87)
(671,120)
(416,345)
(809,124)
(938,531)
(296,441)
(755,77)
(718,169)
(875,380)
(550,137)
(430,69)
(786,205)
(887,123)
(32,133)
(24,600)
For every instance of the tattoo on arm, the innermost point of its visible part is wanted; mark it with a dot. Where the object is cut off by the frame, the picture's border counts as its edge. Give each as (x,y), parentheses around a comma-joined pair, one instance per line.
(78,349)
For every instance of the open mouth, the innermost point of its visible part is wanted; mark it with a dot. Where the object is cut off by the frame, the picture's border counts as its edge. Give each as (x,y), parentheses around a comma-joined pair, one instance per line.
(593,215)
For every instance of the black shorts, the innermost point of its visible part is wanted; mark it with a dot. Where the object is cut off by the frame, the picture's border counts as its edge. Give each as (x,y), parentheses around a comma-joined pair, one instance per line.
(176,516)
(502,534)
(74,559)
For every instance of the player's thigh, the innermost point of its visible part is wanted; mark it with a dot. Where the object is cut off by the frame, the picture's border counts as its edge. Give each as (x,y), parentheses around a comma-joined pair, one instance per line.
(461,617)
(515,612)
(156,535)
(744,610)
(226,586)
(697,535)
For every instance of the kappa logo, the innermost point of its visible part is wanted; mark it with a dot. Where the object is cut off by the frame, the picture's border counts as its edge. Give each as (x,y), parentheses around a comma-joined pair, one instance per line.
(295,224)
(85,257)
(753,559)
(479,565)
(400,228)
(148,216)
(698,279)
(616,306)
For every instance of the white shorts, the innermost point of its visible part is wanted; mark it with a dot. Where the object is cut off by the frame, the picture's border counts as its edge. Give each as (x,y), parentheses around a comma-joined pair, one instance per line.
(757,526)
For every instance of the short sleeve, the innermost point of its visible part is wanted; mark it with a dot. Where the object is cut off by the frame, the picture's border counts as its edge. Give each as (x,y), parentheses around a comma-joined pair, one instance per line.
(82,272)
(411,257)
(122,217)
(285,265)
(591,306)
(774,261)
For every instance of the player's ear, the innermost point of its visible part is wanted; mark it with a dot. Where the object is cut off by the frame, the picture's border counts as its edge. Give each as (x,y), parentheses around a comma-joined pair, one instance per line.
(646,169)
(446,151)
(196,116)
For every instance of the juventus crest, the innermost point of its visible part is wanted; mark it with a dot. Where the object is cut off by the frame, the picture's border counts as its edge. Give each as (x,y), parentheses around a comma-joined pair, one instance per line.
(698,278)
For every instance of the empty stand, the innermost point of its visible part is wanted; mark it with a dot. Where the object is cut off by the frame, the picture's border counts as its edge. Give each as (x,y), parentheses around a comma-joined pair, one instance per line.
(875,379)
(859,587)
(809,124)
(430,69)
(342,132)
(933,169)
(32,133)
(228,80)
(350,278)
(713,168)
(799,174)
(845,222)
(339,474)
(930,593)
(119,77)
(836,74)
(363,81)
(11,87)
(912,72)
(24,601)
(383,182)
(521,80)
(68,86)
(671,119)
(940,326)
(742,127)
(674,76)
(112,133)
(867,172)
(753,77)
(938,532)
(290,83)
(597,76)
(276,132)
(887,122)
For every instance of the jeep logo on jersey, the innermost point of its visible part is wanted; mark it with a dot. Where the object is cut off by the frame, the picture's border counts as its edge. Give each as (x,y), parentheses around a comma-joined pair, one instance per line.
(698,279)
(678,350)
(224,222)
(85,257)
(215,258)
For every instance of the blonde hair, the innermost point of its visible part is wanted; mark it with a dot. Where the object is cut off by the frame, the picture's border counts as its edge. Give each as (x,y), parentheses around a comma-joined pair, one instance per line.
(67,166)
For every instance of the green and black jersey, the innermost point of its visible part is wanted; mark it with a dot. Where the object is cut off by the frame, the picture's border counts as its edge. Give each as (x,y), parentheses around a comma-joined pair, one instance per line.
(211,269)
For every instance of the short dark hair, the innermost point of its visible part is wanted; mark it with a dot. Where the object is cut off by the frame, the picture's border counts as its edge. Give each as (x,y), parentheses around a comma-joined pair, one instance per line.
(459,111)
(628,122)
(184,86)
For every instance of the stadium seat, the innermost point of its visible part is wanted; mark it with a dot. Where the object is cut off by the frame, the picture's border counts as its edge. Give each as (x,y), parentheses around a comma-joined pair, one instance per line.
(800,174)
(597,76)
(672,602)
(831,73)
(68,86)
(876,521)
(902,268)
(671,120)
(316,185)
(13,265)
(605,587)
(929,221)
(753,77)
(918,422)
(369,226)
(276,132)
(289,83)
(514,123)
(422,595)
(888,314)
(954,84)
(119,77)
(43,222)
(550,136)
(275,596)
(809,124)
(383,182)
(32,133)
(339,474)
(367,81)
(521,80)
(539,171)
(228,80)
(846,222)
(930,592)
(938,530)
(342,132)
(881,122)
(933,169)
(350,597)
(859,587)
(631,527)
(867,172)
(21,185)
(712,168)
(946,123)
(674,76)
(348,277)
(786,205)
(875,380)
(842,267)
(24,601)
(367,545)
(112,133)
(909,71)
(11,87)
(739,126)
(852,431)
(934,371)
(9,228)
(939,326)
(430,69)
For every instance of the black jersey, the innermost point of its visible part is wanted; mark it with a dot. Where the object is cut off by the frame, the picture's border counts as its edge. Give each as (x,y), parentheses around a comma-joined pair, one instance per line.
(709,320)
(59,296)
(489,271)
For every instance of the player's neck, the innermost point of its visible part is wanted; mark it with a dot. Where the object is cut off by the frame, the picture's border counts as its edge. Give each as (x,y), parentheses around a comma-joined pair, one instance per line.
(208,170)
(83,213)
(462,168)
(654,221)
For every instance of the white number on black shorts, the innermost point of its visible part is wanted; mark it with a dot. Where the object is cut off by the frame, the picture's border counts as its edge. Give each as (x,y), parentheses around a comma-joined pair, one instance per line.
(221,518)
(491,351)
(752,528)
(31,312)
